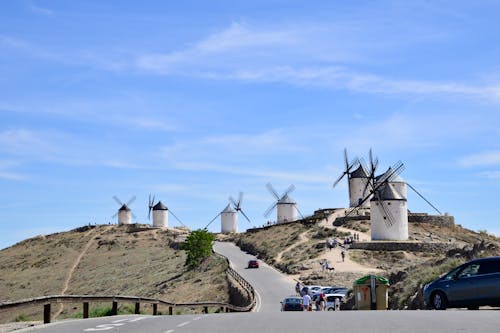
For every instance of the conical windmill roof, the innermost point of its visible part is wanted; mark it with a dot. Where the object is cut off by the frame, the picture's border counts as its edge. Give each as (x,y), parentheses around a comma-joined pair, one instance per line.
(360,172)
(228,209)
(124,208)
(395,178)
(160,206)
(387,192)
(286,200)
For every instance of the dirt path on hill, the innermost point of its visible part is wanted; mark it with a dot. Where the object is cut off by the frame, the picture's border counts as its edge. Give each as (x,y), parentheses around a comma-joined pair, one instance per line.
(73,268)
(302,239)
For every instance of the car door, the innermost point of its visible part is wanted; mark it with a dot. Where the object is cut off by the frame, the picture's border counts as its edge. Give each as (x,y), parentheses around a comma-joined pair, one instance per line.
(462,288)
(488,282)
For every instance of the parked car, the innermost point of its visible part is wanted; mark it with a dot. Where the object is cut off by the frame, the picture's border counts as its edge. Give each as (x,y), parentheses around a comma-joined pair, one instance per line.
(292,303)
(253,263)
(471,285)
(333,290)
(331,299)
(311,290)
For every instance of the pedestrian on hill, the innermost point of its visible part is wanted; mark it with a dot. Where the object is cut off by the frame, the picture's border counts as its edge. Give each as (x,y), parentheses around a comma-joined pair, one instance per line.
(343,255)
(298,288)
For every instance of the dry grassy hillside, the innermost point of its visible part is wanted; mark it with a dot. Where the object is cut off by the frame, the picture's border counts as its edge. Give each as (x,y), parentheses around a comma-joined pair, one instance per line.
(296,248)
(116,260)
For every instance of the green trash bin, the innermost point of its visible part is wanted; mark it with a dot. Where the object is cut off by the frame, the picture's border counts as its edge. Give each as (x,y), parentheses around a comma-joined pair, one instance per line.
(371,293)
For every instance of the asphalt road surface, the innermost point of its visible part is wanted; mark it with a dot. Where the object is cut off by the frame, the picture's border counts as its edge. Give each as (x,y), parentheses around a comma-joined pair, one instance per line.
(271,287)
(273,322)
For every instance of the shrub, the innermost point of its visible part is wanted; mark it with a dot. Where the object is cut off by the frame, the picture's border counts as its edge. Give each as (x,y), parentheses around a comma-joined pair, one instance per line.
(198,246)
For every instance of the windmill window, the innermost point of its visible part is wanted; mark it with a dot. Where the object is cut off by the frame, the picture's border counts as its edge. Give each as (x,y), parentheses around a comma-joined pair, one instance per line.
(385,218)
(388,204)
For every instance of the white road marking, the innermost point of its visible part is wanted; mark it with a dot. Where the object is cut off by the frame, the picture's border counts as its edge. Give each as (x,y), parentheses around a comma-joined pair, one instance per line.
(136,319)
(197,318)
(183,324)
(258,301)
(103,327)
(120,320)
(170,331)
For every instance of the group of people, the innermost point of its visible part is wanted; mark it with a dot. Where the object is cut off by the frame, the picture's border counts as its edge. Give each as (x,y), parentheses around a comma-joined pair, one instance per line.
(307,301)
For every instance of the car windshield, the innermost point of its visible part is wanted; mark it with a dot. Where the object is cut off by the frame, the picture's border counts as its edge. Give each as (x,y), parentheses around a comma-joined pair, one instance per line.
(293,301)
(451,274)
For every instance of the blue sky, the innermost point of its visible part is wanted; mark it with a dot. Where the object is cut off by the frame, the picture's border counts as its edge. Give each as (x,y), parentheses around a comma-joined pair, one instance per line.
(194,101)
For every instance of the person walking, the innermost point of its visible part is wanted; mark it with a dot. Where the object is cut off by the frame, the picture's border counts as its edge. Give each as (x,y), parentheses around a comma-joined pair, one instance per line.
(343,255)
(306,302)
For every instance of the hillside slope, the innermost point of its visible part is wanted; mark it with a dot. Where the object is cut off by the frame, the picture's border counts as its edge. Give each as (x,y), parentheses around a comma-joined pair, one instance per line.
(407,270)
(108,260)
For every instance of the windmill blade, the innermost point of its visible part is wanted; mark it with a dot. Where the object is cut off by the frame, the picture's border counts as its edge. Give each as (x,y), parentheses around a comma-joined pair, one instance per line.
(209,223)
(271,189)
(149,212)
(231,200)
(289,190)
(245,215)
(178,219)
(240,199)
(131,201)
(389,219)
(437,210)
(269,210)
(346,160)
(339,179)
(133,215)
(118,201)
(116,214)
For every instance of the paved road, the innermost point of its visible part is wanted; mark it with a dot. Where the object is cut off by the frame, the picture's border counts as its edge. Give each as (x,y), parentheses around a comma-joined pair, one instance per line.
(271,286)
(272,322)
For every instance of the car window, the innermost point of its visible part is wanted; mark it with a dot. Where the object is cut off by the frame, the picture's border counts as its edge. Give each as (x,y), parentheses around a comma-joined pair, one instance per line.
(469,270)
(488,267)
(451,274)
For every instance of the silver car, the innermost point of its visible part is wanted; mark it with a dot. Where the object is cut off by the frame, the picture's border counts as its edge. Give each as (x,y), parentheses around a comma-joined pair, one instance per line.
(471,285)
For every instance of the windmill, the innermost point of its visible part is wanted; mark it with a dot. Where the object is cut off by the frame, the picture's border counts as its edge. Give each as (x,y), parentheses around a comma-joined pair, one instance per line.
(160,213)
(357,177)
(286,207)
(124,213)
(229,216)
(388,207)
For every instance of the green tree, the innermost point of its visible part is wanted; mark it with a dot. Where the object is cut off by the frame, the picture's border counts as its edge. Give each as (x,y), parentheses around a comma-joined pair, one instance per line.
(198,246)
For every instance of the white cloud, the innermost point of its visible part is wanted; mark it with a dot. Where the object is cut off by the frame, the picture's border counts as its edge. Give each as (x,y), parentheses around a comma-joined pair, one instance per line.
(290,56)
(481,159)
(40,10)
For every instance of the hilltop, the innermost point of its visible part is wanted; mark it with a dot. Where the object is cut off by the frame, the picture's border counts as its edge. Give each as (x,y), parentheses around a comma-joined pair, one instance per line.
(134,260)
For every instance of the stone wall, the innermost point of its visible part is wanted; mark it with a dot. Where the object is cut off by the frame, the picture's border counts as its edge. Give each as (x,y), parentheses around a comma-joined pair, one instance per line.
(403,246)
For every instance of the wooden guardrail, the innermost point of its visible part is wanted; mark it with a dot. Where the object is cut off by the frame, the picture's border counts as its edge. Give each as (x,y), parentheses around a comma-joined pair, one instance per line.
(86,299)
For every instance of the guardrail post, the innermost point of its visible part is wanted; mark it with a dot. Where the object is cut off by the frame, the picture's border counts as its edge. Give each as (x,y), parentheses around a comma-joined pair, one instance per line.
(155,309)
(221,309)
(205,309)
(85,310)
(170,310)
(138,308)
(46,313)
(227,309)
(114,310)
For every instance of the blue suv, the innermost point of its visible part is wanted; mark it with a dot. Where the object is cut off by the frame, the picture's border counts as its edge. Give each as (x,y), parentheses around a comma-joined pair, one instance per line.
(471,285)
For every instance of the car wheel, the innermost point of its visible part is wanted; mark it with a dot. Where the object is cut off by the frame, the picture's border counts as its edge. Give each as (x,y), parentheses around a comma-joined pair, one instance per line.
(331,309)
(439,301)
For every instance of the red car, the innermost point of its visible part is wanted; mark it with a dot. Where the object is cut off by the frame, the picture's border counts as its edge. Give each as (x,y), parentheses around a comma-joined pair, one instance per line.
(253,264)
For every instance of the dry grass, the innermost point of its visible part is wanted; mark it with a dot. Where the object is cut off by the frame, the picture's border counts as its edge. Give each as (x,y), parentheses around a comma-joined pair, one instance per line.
(120,261)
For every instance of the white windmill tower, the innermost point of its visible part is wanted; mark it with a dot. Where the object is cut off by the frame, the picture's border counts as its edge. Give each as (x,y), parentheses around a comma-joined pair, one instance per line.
(357,182)
(229,216)
(286,207)
(160,213)
(388,207)
(124,213)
